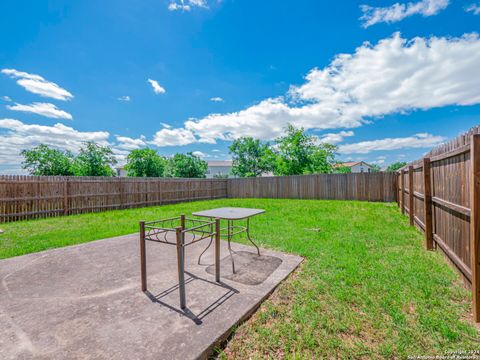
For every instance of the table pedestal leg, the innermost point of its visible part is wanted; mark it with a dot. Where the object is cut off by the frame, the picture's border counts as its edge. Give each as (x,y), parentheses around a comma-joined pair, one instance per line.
(217,250)
(229,238)
(203,252)
(249,238)
(143,258)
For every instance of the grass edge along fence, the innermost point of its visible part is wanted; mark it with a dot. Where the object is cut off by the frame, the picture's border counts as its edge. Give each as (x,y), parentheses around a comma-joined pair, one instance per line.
(440,193)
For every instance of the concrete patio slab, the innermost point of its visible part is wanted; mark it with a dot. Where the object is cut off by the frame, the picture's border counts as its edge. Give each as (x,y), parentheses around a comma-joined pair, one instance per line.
(85,302)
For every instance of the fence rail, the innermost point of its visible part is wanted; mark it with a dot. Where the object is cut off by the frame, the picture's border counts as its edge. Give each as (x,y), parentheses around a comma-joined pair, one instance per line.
(362,186)
(31,197)
(440,193)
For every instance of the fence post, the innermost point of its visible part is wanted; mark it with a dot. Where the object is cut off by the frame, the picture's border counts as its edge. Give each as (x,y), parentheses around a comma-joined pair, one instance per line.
(120,191)
(397,189)
(160,191)
(475,222)
(410,197)
(65,196)
(402,192)
(427,204)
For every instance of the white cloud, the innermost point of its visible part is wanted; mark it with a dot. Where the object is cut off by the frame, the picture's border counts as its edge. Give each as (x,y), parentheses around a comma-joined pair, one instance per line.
(187,5)
(199,154)
(217,99)
(399,11)
(157,88)
(199,3)
(173,6)
(6,98)
(264,120)
(124,98)
(16,136)
(393,76)
(173,137)
(165,125)
(128,143)
(43,109)
(335,138)
(379,161)
(38,85)
(421,140)
(121,156)
(473,8)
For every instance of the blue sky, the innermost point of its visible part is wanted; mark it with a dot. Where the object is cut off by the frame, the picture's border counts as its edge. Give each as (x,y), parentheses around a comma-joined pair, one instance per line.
(80,70)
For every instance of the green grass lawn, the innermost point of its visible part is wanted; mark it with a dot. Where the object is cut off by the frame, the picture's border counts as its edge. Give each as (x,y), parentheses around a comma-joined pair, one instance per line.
(367,288)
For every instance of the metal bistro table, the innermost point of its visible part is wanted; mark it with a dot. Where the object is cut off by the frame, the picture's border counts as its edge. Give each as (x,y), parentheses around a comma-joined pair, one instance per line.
(231,214)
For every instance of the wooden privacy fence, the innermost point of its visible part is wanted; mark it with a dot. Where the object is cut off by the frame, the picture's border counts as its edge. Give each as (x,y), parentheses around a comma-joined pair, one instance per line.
(31,197)
(361,186)
(441,195)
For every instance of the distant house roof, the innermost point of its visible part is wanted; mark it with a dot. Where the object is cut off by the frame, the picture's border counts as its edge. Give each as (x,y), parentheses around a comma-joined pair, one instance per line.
(352,163)
(219,163)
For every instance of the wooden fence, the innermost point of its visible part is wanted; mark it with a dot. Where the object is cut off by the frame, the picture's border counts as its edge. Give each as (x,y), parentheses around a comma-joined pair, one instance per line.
(362,186)
(31,197)
(441,195)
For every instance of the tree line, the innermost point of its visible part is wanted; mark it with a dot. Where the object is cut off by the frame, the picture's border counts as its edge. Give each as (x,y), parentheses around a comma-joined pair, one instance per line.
(293,153)
(96,160)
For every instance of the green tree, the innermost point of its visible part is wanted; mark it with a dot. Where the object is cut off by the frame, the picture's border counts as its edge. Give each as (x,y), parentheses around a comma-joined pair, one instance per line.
(43,160)
(145,163)
(186,166)
(293,152)
(340,169)
(249,157)
(322,159)
(298,153)
(375,168)
(94,160)
(395,166)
